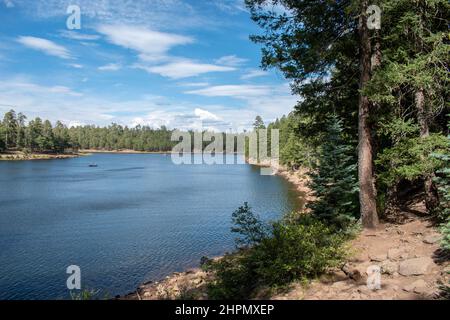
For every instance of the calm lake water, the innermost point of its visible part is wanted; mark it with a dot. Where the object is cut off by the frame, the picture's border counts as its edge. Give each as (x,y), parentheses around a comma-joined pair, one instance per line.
(134,218)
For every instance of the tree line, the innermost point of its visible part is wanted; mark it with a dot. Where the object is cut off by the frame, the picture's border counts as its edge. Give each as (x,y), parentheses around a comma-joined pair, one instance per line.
(41,136)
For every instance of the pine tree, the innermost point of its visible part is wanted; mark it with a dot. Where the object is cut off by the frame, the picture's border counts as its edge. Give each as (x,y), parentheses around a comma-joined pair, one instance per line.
(334,180)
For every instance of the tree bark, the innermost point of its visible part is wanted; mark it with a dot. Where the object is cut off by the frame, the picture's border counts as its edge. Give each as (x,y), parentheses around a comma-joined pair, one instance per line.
(367,192)
(431,193)
(421,113)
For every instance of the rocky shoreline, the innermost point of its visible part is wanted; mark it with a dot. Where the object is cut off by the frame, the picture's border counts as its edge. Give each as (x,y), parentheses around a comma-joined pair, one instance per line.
(20,156)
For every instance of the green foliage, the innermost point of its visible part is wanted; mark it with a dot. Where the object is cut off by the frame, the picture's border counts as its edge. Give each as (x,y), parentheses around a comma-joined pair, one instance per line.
(249,226)
(297,251)
(410,159)
(334,180)
(2,138)
(294,249)
(442,181)
(259,123)
(85,294)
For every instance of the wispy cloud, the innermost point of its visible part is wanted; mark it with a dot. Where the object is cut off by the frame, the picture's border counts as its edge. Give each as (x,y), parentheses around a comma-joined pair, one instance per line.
(232,61)
(149,44)
(46,46)
(160,14)
(76,65)
(238,91)
(8,3)
(184,68)
(110,67)
(74,35)
(254,73)
(193,84)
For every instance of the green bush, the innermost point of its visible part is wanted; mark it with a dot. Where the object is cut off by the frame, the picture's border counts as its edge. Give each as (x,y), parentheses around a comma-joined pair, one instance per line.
(297,251)
(249,226)
(294,250)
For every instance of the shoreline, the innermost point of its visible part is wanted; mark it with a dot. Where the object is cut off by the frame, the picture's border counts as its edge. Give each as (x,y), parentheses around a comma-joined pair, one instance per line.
(20,156)
(125,151)
(192,283)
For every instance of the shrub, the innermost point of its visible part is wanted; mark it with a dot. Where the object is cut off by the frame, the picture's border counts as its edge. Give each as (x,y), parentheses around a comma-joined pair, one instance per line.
(297,251)
(294,249)
(249,226)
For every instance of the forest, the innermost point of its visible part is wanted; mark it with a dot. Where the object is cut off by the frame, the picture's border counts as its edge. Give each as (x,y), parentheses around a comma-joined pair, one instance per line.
(41,136)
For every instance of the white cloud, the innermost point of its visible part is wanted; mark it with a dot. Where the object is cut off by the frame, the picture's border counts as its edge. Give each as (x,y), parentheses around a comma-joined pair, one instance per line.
(23,85)
(254,73)
(151,45)
(46,46)
(71,107)
(205,115)
(75,65)
(9,3)
(231,6)
(159,14)
(193,84)
(74,35)
(184,68)
(239,91)
(110,67)
(232,61)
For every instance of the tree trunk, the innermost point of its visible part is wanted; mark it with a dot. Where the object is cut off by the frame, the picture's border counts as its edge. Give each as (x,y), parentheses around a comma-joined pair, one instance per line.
(421,113)
(367,192)
(431,193)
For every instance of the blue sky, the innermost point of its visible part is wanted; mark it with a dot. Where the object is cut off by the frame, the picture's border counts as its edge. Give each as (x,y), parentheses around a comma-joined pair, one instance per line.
(186,64)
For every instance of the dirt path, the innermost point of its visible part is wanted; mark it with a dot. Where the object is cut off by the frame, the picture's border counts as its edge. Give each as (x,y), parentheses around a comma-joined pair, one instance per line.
(408,257)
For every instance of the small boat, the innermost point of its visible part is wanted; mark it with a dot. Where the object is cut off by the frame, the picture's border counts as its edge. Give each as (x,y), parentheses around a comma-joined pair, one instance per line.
(93,165)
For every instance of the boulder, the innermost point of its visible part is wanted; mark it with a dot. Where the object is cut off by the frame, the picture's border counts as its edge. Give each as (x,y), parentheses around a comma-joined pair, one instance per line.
(389,267)
(432,239)
(378,257)
(396,253)
(415,267)
(419,287)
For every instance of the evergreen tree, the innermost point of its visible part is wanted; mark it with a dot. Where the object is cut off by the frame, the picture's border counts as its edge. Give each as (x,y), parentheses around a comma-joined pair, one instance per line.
(10,129)
(259,123)
(334,180)
(21,139)
(2,138)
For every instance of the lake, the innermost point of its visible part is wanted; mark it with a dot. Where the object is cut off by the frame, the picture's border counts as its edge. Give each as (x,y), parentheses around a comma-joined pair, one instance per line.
(134,218)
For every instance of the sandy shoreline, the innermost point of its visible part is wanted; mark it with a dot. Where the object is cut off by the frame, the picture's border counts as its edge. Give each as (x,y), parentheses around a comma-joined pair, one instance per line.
(123,151)
(20,156)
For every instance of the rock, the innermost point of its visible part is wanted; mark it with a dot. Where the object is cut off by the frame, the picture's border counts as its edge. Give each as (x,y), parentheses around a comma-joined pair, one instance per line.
(415,267)
(355,296)
(396,253)
(408,288)
(341,285)
(389,267)
(419,287)
(432,239)
(378,257)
